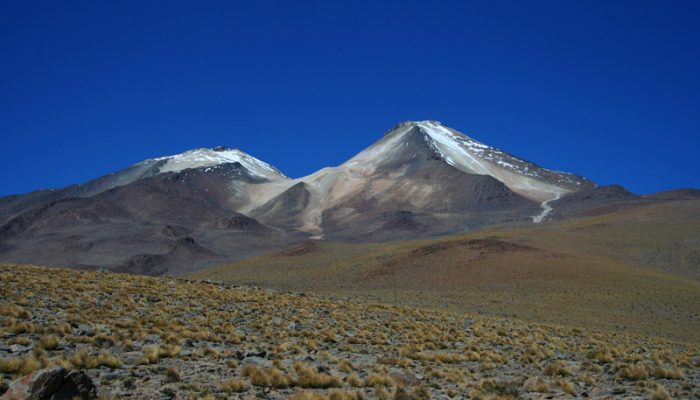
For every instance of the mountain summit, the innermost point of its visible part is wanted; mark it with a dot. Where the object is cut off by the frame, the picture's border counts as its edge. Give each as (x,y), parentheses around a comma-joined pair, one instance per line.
(216,156)
(186,211)
(418,167)
(473,157)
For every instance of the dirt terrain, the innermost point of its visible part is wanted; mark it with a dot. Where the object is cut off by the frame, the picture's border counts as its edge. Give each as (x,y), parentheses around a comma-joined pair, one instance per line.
(154,338)
(634,270)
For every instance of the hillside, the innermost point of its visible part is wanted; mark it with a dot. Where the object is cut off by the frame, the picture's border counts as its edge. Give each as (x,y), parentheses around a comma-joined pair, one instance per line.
(208,206)
(153,338)
(632,270)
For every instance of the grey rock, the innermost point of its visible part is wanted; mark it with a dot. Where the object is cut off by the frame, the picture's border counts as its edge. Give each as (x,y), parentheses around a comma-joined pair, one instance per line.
(132,357)
(256,353)
(84,330)
(114,375)
(102,328)
(52,384)
(259,361)
(19,349)
(152,338)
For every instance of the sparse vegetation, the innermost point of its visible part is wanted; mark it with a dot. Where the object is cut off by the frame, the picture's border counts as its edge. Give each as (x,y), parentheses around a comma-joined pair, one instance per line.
(566,386)
(10,365)
(234,386)
(205,340)
(48,342)
(173,375)
(635,372)
(625,272)
(557,368)
(660,393)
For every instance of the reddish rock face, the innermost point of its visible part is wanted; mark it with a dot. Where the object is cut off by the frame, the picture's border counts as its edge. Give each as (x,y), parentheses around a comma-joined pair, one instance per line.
(52,384)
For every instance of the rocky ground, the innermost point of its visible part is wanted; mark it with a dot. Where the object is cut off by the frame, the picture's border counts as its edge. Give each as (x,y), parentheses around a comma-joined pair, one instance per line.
(160,338)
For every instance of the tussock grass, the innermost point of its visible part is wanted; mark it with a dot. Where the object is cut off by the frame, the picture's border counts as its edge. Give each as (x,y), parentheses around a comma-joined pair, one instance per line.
(557,368)
(48,342)
(255,340)
(172,375)
(307,377)
(234,386)
(660,393)
(83,359)
(155,353)
(10,365)
(266,377)
(635,372)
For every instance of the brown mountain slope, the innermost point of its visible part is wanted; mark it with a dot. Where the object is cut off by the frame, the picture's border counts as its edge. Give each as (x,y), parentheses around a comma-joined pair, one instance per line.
(170,223)
(632,270)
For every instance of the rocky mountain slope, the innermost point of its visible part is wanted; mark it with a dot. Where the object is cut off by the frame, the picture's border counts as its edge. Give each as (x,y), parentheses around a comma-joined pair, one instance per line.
(147,338)
(207,206)
(421,178)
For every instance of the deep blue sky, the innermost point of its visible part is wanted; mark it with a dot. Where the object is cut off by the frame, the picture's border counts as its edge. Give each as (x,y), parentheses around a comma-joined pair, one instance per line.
(605,89)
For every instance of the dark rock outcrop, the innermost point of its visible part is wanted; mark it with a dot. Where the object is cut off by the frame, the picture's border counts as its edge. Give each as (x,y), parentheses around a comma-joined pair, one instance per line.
(52,384)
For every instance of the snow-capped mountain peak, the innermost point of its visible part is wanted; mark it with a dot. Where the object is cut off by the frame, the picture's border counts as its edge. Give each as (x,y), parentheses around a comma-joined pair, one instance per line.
(205,157)
(524,177)
(473,157)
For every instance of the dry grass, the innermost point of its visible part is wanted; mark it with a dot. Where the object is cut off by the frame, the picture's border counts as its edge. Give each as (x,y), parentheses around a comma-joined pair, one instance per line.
(234,386)
(332,395)
(536,384)
(206,340)
(266,377)
(660,393)
(155,353)
(10,365)
(172,375)
(591,272)
(635,372)
(557,368)
(307,377)
(566,386)
(667,373)
(48,342)
(83,359)
(29,364)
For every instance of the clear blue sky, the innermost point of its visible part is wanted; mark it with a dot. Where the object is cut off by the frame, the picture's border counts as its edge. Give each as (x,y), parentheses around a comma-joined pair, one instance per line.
(606,89)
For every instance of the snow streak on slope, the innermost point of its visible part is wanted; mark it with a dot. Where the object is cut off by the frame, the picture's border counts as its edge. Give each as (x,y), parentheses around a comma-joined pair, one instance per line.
(220,155)
(546,209)
(527,179)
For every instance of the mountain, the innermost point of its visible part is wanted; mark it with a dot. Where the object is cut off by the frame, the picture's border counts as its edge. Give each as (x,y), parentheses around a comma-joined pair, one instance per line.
(202,207)
(420,178)
(162,215)
(219,161)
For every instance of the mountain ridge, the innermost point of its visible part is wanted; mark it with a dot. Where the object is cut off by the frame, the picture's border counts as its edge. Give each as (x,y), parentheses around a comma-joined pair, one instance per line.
(212,205)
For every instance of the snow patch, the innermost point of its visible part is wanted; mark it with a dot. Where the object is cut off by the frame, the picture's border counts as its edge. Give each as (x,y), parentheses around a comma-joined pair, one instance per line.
(546,209)
(466,154)
(455,150)
(198,158)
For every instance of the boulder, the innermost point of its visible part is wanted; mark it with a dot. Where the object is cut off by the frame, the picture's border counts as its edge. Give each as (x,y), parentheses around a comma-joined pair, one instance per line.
(52,384)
